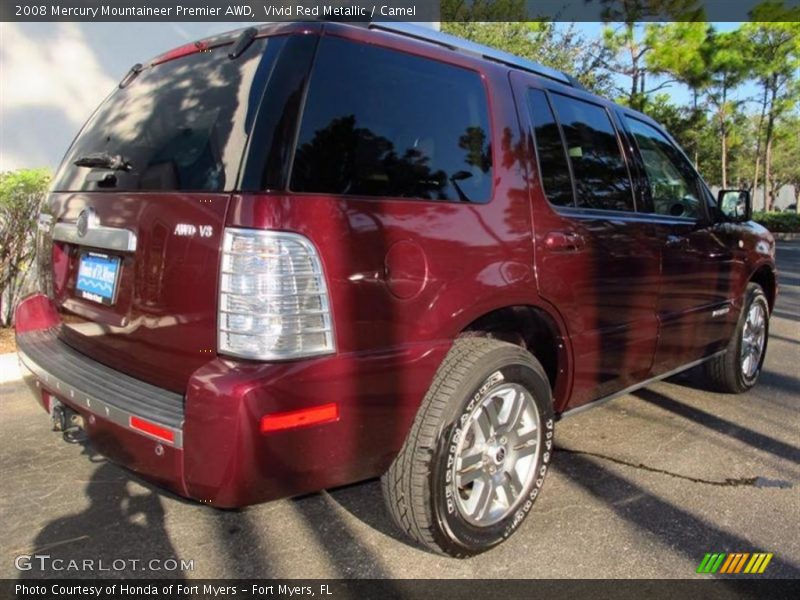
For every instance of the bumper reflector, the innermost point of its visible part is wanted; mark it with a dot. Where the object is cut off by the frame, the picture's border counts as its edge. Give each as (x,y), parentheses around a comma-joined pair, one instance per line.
(161,433)
(47,401)
(325,413)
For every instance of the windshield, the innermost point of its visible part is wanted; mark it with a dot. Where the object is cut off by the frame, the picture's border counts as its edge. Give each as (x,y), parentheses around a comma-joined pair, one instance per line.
(181,125)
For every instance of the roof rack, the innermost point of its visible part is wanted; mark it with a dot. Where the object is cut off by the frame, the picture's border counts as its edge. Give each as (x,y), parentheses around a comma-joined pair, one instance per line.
(461,45)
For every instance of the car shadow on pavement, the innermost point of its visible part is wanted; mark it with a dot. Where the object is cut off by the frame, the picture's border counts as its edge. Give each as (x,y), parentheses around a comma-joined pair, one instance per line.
(786,383)
(365,502)
(748,436)
(783,338)
(342,545)
(241,547)
(674,527)
(110,533)
(782,314)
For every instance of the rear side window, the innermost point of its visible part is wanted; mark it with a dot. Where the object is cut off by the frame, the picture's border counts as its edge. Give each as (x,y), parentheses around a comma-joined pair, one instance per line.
(378,122)
(180,125)
(553,167)
(601,175)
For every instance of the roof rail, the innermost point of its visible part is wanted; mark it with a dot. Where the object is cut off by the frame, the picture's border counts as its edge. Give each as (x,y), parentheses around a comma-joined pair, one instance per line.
(461,45)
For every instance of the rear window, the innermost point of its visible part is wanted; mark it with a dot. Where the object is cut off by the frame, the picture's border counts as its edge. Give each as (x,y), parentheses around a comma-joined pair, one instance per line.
(181,125)
(378,122)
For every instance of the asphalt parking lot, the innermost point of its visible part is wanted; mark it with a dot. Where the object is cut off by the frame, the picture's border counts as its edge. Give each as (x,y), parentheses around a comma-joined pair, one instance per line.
(643,486)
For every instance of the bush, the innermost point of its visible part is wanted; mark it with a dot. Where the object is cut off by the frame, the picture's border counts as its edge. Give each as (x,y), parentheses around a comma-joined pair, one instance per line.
(776,222)
(21,195)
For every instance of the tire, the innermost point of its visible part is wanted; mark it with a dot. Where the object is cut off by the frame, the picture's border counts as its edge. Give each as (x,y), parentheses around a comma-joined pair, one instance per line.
(730,372)
(477,454)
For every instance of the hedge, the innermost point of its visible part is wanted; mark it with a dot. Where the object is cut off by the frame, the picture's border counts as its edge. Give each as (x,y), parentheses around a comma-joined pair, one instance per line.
(776,222)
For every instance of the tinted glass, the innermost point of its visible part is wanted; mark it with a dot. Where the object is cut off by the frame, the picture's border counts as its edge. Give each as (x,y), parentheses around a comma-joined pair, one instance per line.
(553,167)
(384,123)
(181,125)
(601,175)
(269,154)
(672,182)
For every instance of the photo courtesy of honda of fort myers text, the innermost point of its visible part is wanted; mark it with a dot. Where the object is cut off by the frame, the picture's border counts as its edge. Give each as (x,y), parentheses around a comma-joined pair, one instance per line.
(312,299)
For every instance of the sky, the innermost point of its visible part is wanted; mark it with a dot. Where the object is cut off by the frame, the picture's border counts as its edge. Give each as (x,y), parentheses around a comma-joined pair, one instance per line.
(53,75)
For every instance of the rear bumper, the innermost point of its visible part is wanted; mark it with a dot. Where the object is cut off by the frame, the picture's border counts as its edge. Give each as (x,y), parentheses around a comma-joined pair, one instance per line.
(129,421)
(100,391)
(214,450)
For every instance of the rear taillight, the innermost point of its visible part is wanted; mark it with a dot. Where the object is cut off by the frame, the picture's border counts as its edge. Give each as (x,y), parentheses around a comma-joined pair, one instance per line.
(273,301)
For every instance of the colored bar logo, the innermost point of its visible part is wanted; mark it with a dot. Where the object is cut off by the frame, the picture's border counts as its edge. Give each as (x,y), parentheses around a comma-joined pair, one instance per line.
(735,562)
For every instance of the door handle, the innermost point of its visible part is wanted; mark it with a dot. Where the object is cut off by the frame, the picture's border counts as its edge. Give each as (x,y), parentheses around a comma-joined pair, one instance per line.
(564,241)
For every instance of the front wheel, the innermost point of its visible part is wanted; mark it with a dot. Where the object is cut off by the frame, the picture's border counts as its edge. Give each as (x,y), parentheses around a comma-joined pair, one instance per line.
(738,369)
(478,452)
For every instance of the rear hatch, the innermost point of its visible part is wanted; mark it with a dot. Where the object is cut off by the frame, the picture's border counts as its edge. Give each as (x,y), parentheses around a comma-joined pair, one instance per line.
(137,222)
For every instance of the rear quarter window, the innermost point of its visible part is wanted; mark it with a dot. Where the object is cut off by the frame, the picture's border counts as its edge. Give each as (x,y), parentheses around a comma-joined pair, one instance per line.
(378,122)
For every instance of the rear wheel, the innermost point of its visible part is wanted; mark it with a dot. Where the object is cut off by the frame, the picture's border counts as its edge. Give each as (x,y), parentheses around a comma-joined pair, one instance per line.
(478,452)
(738,369)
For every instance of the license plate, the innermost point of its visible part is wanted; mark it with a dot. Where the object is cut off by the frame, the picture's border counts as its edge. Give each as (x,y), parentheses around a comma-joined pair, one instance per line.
(97,277)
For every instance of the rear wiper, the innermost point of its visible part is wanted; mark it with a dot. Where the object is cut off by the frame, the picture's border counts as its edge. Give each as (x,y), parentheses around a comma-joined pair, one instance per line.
(131,75)
(102,160)
(243,42)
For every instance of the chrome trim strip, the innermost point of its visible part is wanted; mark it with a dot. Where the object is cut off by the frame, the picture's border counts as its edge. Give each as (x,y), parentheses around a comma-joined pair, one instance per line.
(300,313)
(621,215)
(108,238)
(637,386)
(94,405)
(288,334)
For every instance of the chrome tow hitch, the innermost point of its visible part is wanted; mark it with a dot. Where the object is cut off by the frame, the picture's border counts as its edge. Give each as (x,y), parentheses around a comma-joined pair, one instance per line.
(68,421)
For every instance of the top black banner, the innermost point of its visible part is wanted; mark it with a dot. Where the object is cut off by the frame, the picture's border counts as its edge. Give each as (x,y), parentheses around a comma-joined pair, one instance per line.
(401,10)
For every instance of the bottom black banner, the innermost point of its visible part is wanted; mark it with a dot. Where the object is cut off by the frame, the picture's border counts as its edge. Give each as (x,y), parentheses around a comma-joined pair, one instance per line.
(422,589)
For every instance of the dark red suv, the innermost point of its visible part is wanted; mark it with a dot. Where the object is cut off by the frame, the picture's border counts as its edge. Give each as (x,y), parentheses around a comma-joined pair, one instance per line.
(307,254)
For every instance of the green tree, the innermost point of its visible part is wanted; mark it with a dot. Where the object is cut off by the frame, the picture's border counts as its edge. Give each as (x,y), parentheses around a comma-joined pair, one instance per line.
(741,150)
(626,46)
(558,47)
(728,67)
(624,53)
(741,161)
(683,122)
(680,51)
(21,196)
(786,158)
(773,41)
(482,10)
(632,11)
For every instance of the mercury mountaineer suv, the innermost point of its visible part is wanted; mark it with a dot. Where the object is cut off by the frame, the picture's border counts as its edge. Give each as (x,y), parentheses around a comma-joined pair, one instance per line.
(307,254)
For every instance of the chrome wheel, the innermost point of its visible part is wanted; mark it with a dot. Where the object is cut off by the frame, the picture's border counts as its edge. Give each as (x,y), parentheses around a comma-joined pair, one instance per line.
(496,455)
(754,334)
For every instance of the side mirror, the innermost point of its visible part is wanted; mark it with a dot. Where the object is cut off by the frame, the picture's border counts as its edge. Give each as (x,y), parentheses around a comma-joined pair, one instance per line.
(736,205)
